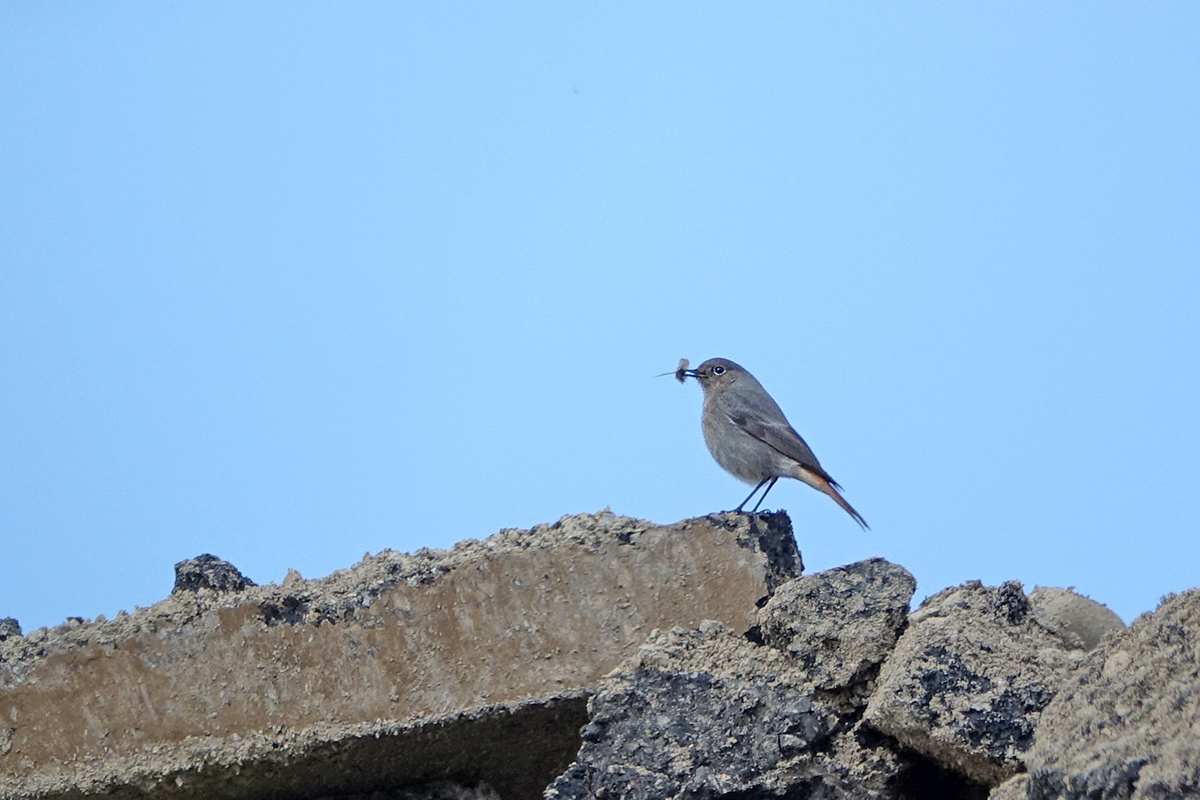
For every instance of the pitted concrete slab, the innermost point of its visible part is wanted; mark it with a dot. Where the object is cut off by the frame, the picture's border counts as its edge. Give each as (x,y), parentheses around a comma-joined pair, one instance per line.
(357,680)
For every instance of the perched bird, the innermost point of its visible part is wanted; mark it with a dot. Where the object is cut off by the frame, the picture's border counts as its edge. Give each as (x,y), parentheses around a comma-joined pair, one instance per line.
(749,436)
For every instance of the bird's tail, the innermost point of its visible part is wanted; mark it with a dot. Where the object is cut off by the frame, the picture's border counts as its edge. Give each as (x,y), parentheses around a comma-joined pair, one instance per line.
(826,485)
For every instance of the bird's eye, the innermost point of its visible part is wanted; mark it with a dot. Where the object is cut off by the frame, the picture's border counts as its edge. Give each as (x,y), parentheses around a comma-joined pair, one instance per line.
(718,370)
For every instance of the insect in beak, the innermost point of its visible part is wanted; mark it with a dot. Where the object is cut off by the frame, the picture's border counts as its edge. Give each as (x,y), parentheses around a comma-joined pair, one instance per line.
(681,372)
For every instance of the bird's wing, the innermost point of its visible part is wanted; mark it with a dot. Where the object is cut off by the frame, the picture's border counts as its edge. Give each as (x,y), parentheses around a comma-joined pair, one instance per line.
(764,420)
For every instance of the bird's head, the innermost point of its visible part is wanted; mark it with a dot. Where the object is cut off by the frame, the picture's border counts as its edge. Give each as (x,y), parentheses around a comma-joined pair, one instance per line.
(716,374)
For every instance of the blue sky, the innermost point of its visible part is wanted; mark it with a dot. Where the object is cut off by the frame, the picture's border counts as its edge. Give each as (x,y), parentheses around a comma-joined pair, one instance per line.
(288,283)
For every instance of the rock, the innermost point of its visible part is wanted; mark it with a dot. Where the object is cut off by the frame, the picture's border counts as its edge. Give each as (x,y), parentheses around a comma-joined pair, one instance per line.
(208,572)
(1081,621)
(705,714)
(469,665)
(968,680)
(9,627)
(840,624)
(1127,722)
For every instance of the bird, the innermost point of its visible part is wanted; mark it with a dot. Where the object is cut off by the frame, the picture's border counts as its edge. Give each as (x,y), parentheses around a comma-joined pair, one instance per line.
(749,436)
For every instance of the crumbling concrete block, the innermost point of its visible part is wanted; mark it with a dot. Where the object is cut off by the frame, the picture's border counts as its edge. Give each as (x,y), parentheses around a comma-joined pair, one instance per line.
(840,624)
(469,666)
(1080,621)
(969,678)
(1126,724)
(706,713)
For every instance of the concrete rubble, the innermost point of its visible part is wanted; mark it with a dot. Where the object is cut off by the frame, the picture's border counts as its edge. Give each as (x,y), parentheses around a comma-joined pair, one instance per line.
(604,657)
(1127,722)
(840,625)
(968,679)
(708,713)
(470,665)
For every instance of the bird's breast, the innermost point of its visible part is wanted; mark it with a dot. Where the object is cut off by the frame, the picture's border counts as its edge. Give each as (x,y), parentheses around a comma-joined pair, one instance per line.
(738,453)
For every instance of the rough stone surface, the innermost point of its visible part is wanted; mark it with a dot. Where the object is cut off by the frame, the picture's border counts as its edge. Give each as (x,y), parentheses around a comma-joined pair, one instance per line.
(840,624)
(1079,620)
(468,665)
(705,713)
(9,627)
(969,678)
(208,572)
(1127,723)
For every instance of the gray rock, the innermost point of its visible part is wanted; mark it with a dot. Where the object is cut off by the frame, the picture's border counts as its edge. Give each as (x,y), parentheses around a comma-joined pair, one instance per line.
(9,627)
(208,572)
(705,714)
(1081,621)
(968,680)
(1127,722)
(840,624)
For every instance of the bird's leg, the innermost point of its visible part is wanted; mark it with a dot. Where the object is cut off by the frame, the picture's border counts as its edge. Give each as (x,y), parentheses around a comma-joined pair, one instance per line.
(770,486)
(756,488)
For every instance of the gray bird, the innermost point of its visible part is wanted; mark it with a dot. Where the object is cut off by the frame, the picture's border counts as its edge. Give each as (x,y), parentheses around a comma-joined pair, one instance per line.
(749,436)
